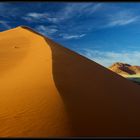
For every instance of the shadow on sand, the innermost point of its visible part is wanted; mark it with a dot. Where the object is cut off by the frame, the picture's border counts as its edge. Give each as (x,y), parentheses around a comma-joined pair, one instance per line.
(98,101)
(91,95)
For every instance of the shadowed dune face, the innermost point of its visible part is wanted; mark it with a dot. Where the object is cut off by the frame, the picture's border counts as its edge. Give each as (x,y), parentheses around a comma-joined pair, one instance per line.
(52,91)
(98,101)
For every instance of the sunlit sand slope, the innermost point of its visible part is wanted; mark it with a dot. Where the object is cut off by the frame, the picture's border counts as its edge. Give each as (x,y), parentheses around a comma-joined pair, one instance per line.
(29,102)
(49,91)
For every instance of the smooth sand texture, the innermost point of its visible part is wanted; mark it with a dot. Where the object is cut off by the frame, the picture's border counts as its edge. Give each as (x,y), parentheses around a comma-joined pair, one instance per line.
(49,91)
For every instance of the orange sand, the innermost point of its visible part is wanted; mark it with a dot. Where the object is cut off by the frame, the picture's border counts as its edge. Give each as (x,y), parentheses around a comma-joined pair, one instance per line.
(49,91)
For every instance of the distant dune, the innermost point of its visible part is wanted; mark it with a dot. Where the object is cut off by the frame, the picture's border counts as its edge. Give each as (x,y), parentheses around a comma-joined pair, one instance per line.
(126,69)
(47,90)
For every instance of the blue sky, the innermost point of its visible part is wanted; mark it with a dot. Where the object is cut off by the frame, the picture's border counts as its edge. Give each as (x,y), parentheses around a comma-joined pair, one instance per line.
(103,32)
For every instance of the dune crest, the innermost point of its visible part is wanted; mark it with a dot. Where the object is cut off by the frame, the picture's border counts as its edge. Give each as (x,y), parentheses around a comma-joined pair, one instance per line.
(50,91)
(30,103)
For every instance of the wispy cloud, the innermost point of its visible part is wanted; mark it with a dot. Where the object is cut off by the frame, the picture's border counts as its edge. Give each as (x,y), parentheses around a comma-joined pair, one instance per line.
(69,28)
(41,17)
(5,24)
(68,36)
(35,17)
(121,18)
(38,15)
(107,58)
(46,30)
(69,10)
(78,9)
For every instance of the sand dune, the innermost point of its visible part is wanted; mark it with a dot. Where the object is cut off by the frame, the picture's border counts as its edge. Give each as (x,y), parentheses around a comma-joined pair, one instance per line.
(50,91)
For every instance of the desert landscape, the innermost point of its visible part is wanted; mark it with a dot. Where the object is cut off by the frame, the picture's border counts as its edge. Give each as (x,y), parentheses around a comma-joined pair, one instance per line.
(48,90)
(126,70)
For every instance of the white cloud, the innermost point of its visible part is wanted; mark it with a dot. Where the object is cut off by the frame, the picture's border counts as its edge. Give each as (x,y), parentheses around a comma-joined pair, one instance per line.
(41,17)
(78,9)
(53,19)
(46,30)
(122,18)
(67,36)
(36,17)
(51,30)
(66,18)
(108,58)
(69,10)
